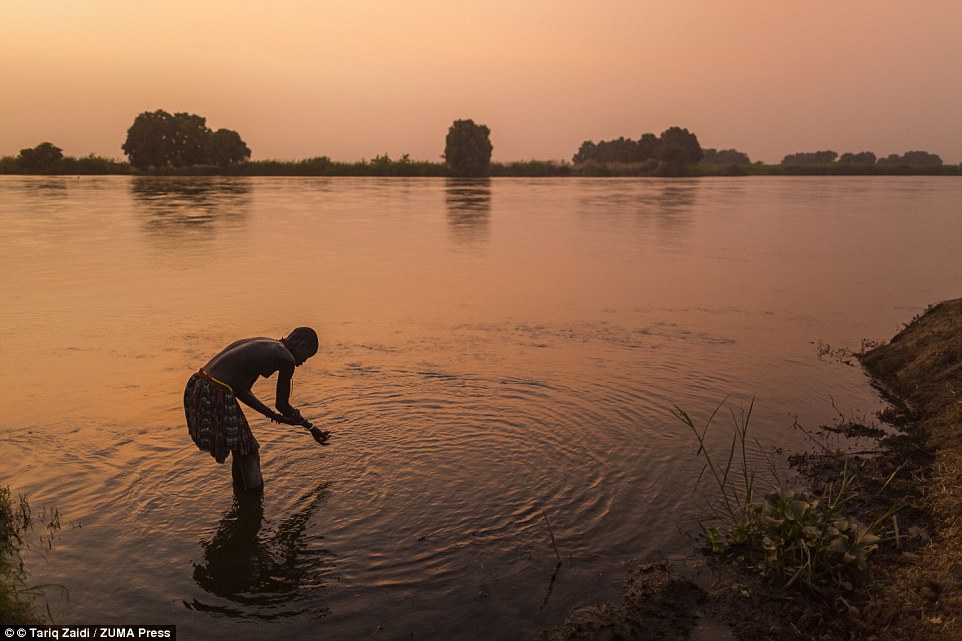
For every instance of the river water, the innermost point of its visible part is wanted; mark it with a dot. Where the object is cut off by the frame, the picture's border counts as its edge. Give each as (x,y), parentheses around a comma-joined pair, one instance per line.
(496,357)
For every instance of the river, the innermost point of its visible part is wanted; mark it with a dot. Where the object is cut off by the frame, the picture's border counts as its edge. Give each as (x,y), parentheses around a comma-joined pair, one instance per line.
(496,357)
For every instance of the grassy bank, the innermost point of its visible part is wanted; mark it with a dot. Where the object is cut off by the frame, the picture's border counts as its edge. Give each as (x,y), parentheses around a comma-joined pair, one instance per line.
(919,593)
(838,169)
(384,166)
(907,494)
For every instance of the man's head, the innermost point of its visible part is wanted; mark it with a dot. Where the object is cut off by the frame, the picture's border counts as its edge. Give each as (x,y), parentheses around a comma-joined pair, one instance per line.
(302,343)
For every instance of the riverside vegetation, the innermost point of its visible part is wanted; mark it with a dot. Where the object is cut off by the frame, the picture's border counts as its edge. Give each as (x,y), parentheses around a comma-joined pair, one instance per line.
(160,143)
(18,598)
(385,166)
(870,549)
(786,535)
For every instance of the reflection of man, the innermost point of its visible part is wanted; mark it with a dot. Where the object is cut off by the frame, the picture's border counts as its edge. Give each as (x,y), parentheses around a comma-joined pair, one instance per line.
(266,571)
(214,418)
(235,560)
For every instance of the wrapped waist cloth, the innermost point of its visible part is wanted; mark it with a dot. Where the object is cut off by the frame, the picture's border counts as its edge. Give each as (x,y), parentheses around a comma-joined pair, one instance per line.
(215,421)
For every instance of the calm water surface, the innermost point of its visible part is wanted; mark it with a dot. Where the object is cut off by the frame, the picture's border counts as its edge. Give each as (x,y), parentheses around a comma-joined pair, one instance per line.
(492,352)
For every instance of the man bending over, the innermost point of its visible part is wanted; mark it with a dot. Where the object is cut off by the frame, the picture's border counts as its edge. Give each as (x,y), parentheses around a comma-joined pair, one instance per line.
(215,420)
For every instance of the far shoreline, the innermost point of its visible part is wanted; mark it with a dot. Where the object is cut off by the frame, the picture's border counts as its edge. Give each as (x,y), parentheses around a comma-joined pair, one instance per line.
(384,167)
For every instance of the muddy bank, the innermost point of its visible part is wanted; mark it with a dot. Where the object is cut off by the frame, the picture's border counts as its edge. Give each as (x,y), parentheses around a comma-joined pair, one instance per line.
(918,594)
(912,589)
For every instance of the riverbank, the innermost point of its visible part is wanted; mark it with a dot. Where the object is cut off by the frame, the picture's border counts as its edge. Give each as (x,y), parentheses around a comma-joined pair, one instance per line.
(920,592)
(385,167)
(912,589)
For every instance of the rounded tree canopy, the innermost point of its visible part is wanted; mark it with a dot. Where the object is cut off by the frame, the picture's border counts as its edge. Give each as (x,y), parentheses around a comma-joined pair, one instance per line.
(467,149)
(159,139)
(40,159)
(226,147)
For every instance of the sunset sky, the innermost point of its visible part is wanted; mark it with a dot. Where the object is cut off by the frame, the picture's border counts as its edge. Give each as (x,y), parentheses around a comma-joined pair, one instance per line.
(352,80)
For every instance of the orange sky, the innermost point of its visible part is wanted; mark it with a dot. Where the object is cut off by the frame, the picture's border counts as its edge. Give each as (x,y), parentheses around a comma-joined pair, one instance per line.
(352,80)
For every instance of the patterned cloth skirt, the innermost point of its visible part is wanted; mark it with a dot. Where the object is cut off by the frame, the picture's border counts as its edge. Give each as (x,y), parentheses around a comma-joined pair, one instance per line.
(215,421)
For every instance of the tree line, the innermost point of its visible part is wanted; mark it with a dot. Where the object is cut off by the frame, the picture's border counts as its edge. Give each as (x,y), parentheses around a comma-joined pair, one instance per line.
(47,158)
(909,158)
(672,153)
(162,143)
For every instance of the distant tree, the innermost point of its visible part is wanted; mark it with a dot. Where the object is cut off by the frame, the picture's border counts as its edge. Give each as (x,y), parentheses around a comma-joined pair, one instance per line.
(467,149)
(602,151)
(673,154)
(159,139)
(189,140)
(670,154)
(913,158)
(679,146)
(647,146)
(41,159)
(861,158)
(149,139)
(810,158)
(226,147)
(921,158)
(620,150)
(586,152)
(10,165)
(725,157)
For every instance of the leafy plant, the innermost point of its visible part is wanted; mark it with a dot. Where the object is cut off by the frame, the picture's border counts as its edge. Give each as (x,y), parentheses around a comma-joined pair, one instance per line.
(786,534)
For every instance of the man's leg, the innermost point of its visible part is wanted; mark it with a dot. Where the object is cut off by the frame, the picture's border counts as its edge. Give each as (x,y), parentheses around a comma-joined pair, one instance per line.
(246,470)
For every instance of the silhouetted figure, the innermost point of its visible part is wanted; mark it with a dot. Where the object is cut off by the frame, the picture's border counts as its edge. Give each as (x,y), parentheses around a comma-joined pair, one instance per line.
(214,418)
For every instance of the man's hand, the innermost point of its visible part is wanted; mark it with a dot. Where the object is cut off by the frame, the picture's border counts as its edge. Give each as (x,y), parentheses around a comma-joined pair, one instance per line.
(319,435)
(296,419)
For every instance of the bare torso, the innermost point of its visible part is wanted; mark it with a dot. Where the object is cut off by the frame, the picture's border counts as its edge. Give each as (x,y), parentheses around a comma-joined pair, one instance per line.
(241,362)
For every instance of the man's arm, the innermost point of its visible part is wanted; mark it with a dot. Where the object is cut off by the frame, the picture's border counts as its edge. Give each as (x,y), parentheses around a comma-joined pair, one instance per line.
(247,398)
(282,400)
(291,415)
(291,418)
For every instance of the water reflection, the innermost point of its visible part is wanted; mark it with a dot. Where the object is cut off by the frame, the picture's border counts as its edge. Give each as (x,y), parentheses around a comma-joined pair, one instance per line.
(47,186)
(469,209)
(177,207)
(668,205)
(264,573)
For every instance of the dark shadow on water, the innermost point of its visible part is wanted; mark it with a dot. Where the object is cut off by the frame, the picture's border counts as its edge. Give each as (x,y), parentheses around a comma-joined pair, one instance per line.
(253,571)
(469,209)
(180,207)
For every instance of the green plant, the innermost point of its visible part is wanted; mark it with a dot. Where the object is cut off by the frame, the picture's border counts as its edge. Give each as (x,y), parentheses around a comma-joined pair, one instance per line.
(786,534)
(16,595)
